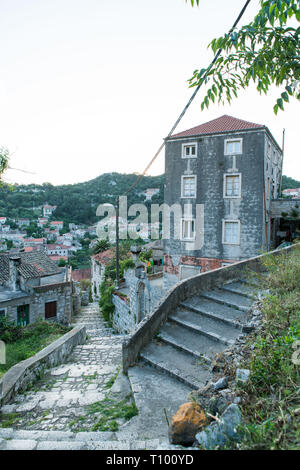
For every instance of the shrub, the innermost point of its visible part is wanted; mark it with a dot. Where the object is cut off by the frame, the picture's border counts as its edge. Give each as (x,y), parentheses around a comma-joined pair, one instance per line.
(9,331)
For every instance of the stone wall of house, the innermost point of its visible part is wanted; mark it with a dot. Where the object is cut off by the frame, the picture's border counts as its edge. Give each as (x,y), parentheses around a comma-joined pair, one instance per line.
(251,209)
(59,293)
(143,299)
(97,276)
(124,321)
(283,205)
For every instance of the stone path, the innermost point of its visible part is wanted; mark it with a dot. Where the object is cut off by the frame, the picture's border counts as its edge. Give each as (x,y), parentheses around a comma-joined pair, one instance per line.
(63,394)
(54,414)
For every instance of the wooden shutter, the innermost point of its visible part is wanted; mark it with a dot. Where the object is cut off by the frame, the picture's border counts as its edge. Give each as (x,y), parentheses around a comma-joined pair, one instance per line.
(50,309)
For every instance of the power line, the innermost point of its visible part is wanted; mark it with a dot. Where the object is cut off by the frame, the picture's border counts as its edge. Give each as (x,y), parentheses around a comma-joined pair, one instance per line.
(187,105)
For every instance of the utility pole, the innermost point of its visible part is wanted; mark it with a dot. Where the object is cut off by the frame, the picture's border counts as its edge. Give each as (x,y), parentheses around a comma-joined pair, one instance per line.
(283,141)
(117,243)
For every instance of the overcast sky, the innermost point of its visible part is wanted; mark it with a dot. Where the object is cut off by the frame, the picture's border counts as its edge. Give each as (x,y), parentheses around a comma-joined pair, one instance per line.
(92,86)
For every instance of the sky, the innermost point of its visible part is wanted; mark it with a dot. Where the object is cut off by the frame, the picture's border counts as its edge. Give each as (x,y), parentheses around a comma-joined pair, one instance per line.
(93,86)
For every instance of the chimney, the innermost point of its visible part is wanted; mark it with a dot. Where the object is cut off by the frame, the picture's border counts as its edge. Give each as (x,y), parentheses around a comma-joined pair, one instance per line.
(14,278)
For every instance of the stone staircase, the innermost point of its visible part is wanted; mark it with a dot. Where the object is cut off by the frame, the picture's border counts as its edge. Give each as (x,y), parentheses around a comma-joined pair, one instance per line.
(197,329)
(11,439)
(179,358)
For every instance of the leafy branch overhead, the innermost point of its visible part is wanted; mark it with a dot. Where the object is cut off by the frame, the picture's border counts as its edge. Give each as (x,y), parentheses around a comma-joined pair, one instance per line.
(264,52)
(4,158)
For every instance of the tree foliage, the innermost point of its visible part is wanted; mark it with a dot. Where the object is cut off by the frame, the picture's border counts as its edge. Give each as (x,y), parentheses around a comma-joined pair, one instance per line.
(264,52)
(4,158)
(101,245)
(76,203)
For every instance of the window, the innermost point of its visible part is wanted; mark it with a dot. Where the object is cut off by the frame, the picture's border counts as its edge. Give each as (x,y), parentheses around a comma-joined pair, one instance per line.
(189,150)
(231,232)
(233,146)
(187,229)
(2,312)
(188,186)
(50,309)
(232,185)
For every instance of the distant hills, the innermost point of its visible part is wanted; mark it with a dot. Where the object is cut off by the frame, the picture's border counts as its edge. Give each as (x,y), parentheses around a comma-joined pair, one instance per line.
(78,202)
(289,183)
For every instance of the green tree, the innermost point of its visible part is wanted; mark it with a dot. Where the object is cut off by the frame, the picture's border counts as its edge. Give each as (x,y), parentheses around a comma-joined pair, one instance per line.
(101,245)
(4,159)
(264,52)
(62,262)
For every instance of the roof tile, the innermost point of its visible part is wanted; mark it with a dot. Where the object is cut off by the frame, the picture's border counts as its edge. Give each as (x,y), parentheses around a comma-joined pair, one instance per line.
(222,124)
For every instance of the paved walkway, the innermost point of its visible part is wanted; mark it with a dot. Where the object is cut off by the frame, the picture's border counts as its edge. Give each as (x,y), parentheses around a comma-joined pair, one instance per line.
(60,399)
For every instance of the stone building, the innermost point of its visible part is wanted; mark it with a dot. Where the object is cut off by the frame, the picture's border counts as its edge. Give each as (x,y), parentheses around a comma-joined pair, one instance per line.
(136,298)
(232,169)
(99,261)
(138,294)
(32,287)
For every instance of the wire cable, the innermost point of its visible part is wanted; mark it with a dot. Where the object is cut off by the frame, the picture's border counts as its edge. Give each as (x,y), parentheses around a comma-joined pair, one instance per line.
(141,176)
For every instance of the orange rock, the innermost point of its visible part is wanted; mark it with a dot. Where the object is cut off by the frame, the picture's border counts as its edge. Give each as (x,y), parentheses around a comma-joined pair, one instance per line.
(185,424)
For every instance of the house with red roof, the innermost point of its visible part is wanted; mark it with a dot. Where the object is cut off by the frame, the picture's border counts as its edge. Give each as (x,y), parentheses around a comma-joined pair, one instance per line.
(222,176)
(57,224)
(48,210)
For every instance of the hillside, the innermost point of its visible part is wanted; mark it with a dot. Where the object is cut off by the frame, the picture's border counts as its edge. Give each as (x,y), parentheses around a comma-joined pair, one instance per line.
(76,203)
(289,183)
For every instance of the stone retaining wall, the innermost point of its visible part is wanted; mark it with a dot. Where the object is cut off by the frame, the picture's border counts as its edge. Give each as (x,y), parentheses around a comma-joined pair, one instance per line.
(25,372)
(148,328)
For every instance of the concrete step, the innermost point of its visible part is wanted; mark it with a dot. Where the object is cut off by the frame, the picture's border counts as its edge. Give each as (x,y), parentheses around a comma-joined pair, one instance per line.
(211,328)
(191,342)
(227,298)
(238,287)
(17,444)
(156,395)
(11,439)
(178,364)
(215,310)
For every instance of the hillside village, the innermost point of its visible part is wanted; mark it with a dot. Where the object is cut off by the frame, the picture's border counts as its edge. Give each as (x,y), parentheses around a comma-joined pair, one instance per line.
(39,280)
(152,314)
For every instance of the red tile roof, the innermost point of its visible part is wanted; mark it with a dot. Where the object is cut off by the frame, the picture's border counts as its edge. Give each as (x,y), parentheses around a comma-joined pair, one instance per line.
(222,124)
(104,257)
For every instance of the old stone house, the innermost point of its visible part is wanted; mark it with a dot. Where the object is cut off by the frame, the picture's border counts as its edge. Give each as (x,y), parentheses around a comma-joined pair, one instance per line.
(98,264)
(32,287)
(232,169)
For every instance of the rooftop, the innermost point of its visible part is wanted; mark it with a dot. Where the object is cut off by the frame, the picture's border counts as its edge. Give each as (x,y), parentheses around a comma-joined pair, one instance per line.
(104,257)
(222,124)
(33,264)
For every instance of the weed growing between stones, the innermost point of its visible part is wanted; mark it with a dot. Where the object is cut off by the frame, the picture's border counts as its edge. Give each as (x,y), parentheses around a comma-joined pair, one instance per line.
(112,380)
(9,420)
(105,415)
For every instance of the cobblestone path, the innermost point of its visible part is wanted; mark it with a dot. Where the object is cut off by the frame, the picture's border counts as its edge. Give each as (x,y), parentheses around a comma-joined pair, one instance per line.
(60,399)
